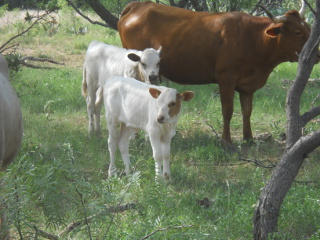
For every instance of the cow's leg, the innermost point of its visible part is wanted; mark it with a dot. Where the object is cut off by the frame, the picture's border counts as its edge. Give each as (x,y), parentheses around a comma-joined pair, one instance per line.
(226,96)
(246,108)
(166,159)
(112,146)
(91,99)
(98,105)
(157,151)
(124,146)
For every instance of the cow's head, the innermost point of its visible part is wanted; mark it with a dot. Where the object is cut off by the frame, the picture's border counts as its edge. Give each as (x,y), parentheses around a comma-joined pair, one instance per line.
(169,103)
(148,64)
(291,32)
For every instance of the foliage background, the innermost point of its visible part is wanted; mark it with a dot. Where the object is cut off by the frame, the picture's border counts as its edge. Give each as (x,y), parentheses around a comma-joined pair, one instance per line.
(60,175)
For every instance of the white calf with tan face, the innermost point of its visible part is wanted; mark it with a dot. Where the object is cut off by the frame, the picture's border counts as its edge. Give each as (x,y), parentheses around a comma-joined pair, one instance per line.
(137,105)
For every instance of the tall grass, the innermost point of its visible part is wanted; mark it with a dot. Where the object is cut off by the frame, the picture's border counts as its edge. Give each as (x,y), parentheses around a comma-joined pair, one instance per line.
(60,175)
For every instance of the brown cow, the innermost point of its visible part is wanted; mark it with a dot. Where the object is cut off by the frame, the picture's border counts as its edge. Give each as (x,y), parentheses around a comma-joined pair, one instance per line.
(233,49)
(10,133)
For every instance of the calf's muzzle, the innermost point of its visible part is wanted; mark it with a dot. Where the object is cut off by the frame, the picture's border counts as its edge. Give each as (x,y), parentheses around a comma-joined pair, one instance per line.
(153,79)
(160,119)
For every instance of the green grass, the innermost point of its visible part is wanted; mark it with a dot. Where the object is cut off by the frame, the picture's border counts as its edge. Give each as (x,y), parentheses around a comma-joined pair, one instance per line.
(60,175)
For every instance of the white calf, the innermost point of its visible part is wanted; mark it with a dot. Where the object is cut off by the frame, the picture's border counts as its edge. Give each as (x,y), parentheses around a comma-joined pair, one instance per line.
(103,61)
(136,105)
(10,132)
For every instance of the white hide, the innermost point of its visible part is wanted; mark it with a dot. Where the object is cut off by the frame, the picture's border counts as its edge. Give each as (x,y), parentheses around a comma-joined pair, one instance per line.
(130,103)
(103,61)
(10,132)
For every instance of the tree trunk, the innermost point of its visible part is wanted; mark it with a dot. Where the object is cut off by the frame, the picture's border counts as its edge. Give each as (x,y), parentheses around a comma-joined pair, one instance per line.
(266,215)
(267,212)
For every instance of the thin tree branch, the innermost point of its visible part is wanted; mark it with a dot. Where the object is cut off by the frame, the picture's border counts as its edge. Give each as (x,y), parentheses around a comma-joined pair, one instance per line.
(86,218)
(116,209)
(165,229)
(23,32)
(305,144)
(41,60)
(24,62)
(316,99)
(86,17)
(311,9)
(74,225)
(306,117)
(112,219)
(45,234)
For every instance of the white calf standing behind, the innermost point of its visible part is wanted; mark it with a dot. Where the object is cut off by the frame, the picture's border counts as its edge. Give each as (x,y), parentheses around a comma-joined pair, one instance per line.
(136,105)
(103,61)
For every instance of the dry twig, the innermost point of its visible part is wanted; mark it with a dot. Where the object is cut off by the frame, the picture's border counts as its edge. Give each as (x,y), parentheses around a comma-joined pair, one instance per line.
(165,229)
(239,154)
(24,62)
(74,225)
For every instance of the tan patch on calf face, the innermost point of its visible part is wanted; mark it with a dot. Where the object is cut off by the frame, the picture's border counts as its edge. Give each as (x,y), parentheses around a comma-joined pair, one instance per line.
(175,107)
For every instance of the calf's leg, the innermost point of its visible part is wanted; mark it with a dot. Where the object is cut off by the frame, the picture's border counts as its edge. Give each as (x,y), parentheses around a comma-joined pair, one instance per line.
(166,159)
(112,146)
(124,146)
(157,152)
(97,111)
(91,99)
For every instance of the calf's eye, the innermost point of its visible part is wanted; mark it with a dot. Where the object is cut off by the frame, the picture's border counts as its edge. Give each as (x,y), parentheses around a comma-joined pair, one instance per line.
(172,104)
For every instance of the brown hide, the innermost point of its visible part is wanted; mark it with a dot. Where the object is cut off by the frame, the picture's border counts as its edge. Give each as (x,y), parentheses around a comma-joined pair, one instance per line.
(236,50)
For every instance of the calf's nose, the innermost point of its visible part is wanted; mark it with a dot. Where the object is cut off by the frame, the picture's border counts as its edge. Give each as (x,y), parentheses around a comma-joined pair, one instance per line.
(153,79)
(160,119)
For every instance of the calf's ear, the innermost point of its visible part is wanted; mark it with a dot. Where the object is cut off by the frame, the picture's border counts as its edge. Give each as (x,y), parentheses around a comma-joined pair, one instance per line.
(134,57)
(159,50)
(187,96)
(154,92)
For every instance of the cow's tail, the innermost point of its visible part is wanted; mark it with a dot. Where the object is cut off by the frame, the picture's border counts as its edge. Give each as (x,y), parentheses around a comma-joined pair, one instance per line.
(99,96)
(84,83)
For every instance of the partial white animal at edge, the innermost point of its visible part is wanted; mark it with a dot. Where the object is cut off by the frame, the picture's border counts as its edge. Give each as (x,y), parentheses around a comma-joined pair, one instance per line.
(10,134)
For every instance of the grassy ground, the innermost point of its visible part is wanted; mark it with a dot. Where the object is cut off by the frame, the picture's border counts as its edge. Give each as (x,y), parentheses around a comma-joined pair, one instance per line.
(60,175)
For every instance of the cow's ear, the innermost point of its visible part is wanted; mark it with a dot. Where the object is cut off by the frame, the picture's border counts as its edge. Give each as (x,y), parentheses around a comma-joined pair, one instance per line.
(187,96)
(134,57)
(154,92)
(273,31)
